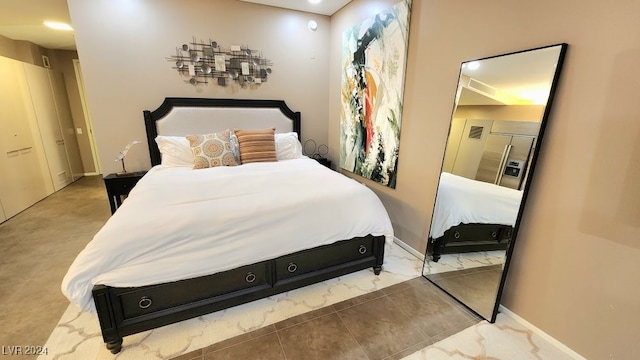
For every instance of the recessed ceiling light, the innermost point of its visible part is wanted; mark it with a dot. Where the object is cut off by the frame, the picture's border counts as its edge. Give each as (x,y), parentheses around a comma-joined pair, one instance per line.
(473,65)
(315,1)
(58,25)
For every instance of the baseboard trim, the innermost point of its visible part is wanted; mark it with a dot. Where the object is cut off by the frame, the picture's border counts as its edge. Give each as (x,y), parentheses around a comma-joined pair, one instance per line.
(564,348)
(91,174)
(409,249)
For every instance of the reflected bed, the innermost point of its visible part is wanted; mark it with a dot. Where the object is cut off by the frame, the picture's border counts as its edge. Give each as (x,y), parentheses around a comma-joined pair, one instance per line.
(471,215)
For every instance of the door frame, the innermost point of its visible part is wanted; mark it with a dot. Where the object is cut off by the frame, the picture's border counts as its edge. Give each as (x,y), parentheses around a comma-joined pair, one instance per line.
(87,119)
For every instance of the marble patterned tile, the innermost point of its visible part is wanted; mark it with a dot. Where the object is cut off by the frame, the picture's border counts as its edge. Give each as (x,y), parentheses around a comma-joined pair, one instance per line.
(454,262)
(505,339)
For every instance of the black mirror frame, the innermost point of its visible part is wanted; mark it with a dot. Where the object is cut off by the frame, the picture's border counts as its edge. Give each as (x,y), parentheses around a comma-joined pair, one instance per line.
(534,159)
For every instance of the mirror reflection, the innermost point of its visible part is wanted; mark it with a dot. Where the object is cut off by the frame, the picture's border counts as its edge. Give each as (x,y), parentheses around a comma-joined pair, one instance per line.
(501,106)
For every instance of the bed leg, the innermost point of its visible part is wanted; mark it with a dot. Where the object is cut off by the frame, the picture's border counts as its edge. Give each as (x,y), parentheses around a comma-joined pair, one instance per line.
(115,346)
(437,247)
(377,269)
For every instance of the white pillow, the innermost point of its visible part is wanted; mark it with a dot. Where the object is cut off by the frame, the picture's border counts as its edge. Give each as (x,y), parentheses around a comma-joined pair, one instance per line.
(288,146)
(175,150)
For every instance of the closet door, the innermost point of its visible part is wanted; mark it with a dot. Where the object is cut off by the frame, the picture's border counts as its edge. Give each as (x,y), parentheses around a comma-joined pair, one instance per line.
(21,180)
(44,106)
(66,124)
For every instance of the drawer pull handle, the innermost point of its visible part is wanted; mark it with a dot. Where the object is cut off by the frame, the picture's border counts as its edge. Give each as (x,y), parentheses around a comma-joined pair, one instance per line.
(494,234)
(145,302)
(456,235)
(362,249)
(251,277)
(292,267)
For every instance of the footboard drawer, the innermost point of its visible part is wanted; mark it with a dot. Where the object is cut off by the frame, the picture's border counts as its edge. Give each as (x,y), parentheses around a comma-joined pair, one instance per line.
(476,233)
(148,299)
(324,257)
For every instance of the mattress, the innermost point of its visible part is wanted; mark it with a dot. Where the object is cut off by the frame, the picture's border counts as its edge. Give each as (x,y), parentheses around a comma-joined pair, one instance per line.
(180,223)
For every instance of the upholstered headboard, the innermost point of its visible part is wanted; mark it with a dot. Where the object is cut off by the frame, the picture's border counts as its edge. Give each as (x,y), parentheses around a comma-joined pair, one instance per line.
(182,116)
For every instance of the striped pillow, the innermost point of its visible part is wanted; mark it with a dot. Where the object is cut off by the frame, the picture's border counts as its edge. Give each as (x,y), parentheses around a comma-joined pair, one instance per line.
(211,150)
(256,145)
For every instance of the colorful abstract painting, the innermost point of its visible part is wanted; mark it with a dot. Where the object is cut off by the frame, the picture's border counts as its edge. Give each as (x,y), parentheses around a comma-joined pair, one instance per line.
(374,59)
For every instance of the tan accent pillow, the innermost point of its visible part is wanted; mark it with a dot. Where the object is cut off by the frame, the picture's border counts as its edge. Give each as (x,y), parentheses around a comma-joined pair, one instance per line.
(256,145)
(211,150)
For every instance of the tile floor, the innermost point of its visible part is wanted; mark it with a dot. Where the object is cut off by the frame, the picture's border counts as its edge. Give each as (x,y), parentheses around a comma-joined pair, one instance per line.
(37,247)
(476,287)
(390,323)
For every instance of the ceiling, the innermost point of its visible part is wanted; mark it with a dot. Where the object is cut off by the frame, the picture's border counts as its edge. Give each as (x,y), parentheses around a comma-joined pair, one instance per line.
(323,7)
(23,19)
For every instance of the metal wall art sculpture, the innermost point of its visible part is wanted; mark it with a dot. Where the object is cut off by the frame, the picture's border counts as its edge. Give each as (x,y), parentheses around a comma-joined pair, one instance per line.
(201,61)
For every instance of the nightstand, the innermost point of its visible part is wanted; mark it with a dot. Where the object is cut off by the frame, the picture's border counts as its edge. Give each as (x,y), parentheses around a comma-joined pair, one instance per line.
(324,161)
(118,186)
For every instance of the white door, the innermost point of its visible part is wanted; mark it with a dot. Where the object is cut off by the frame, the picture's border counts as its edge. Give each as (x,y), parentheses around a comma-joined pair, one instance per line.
(47,118)
(66,124)
(21,179)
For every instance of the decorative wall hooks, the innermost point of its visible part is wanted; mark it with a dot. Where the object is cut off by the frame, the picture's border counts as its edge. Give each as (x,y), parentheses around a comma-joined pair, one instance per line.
(201,61)
(312,150)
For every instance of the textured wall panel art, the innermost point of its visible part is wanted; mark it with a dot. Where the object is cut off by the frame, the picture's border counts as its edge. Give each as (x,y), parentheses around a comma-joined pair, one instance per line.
(374,59)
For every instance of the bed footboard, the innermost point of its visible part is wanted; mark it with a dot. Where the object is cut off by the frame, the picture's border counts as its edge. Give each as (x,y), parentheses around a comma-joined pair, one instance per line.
(126,311)
(468,238)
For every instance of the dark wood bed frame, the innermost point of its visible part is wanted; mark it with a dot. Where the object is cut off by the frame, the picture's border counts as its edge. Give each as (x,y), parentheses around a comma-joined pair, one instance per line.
(470,237)
(126,311)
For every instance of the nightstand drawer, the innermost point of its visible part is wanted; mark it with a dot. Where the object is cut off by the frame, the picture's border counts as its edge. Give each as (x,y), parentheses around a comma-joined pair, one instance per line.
(122,186)
(119,186)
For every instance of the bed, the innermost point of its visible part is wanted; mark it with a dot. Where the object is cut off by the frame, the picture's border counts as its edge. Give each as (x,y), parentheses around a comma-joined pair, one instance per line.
(471,215)
(221,236)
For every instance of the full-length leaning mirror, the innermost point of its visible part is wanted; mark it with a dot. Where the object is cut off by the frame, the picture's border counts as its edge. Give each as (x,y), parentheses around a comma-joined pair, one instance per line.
(502,105)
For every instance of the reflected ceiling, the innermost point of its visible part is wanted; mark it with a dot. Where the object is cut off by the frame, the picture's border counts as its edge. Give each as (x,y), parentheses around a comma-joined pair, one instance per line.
(507,83)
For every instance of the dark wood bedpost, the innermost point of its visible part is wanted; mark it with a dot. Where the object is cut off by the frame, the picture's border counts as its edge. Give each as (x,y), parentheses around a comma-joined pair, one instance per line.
(379,254)
(435,248)
(104,308)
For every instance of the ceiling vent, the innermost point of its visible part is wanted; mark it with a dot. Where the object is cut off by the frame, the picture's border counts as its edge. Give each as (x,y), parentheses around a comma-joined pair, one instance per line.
(475,132)
(479,86)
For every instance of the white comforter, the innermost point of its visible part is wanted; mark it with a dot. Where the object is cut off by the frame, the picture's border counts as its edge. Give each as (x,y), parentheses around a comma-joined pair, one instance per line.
(179,223)
(464,201)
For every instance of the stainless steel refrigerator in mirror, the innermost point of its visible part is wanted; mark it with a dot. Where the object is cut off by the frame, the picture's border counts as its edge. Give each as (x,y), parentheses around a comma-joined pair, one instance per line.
(502,107)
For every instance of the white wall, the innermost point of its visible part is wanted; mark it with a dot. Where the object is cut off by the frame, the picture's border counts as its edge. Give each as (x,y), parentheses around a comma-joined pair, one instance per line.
(123,46)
